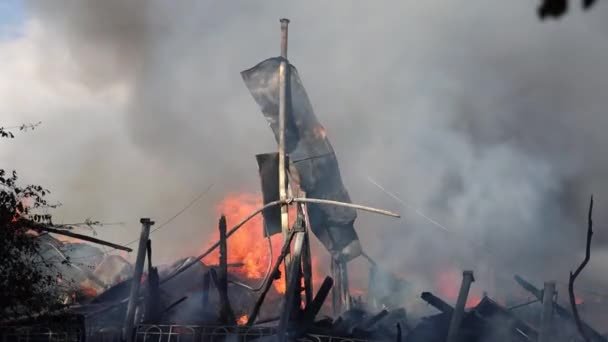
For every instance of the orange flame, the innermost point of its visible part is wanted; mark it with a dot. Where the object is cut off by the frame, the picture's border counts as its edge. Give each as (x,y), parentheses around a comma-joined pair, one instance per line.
(88,291)
(448,286)
(248,245)
(242,320)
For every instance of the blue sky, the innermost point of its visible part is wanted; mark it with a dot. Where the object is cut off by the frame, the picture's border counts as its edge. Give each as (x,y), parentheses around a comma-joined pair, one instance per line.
(12,14)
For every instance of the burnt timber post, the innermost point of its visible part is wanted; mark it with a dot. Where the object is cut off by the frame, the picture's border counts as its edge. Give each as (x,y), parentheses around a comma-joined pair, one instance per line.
(458,313)
(226,314)
(547,315)
(128,333)
(283,107)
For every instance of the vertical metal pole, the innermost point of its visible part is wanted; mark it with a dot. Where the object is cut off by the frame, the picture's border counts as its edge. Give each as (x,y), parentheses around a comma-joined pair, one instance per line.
(344,287)
(336,289)
(137,272)
(547,315)
(283,107)
(458,313)
(372,301)
(307,256)
(293,287)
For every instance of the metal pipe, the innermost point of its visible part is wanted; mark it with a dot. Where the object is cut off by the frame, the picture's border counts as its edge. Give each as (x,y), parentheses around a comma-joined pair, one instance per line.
(307,258)
(268,205)
(547,315)
(283,107)
(137,272)
(458,313)
(344,286)
(293,297)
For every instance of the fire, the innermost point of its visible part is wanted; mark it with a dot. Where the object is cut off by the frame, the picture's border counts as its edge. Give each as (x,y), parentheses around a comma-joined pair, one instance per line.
(242,320)
(248,245)
(88,291)
(319,132)
(448,287)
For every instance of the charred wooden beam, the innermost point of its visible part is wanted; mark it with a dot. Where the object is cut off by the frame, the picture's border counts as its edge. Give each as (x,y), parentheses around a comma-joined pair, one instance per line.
(128,332)
(399,338)
(83,237)
(458,313)
(313,308)
(153,310)
(546,324)
(437,302)
(174,304)
(226,313)
(370,322)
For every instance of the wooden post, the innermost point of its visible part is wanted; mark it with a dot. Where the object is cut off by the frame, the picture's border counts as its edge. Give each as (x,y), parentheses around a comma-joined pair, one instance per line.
(153,301)
(226,314)
(283,108)
(547,315)
(128,332)
(458,313)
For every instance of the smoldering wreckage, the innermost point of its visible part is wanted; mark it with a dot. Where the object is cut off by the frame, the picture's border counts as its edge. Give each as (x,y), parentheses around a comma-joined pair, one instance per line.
(302,193)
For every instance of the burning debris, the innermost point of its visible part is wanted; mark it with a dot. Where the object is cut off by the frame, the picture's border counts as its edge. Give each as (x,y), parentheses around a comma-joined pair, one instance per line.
(257,276)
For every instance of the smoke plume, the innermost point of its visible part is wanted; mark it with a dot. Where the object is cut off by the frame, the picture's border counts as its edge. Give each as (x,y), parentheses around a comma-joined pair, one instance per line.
(477,114)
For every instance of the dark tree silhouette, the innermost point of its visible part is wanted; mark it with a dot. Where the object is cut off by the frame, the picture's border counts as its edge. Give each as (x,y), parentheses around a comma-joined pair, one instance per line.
(28,282)
(557,8)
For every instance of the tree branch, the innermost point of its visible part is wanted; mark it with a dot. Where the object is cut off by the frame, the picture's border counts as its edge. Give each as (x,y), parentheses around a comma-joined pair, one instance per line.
(577,318)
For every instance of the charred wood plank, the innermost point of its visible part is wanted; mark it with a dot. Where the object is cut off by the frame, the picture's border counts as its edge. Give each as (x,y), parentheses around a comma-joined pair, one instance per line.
(437,302)
(174,304)
(153,311)
(312,309)
(83,237)
(370,322)
(128,331)
(226,313)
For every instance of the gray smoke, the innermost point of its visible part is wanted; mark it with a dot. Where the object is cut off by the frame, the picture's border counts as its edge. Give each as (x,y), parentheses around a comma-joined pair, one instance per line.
(481,116)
